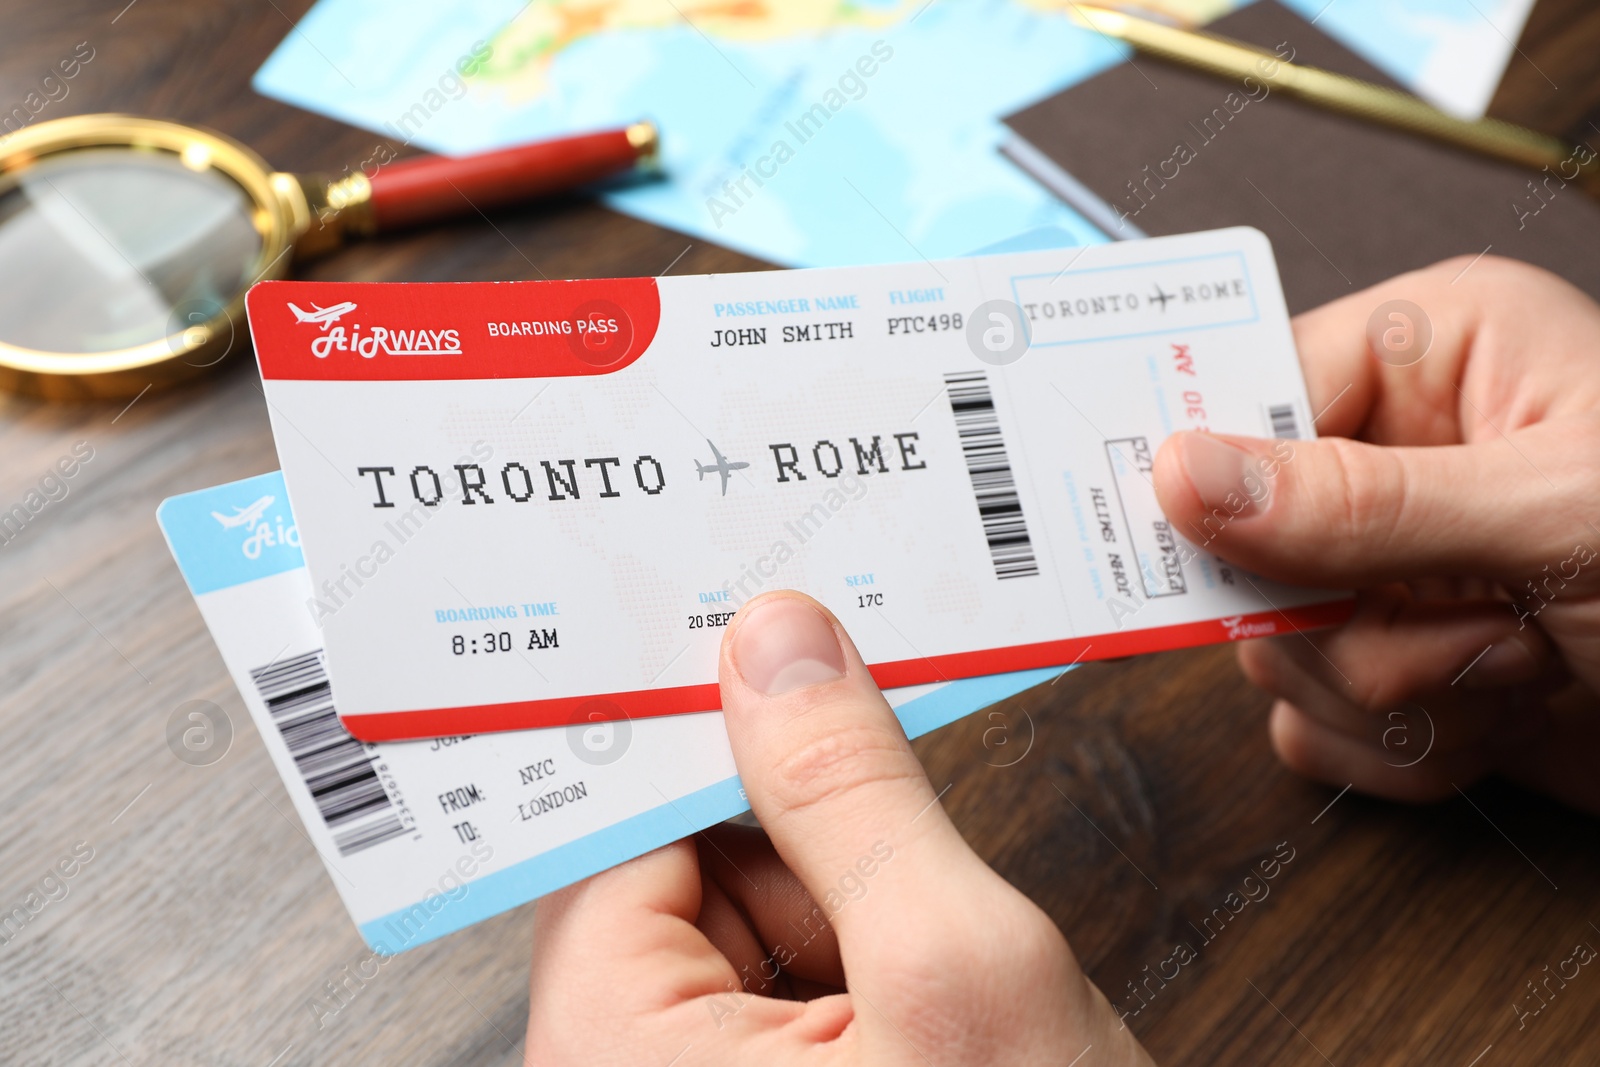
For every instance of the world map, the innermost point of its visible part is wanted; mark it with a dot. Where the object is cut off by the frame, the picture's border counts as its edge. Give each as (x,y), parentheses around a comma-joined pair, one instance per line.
(804,132)
(531,42)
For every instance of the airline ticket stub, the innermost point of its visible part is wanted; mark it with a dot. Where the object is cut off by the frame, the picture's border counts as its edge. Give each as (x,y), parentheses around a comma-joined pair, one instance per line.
(531,503)
(425,837)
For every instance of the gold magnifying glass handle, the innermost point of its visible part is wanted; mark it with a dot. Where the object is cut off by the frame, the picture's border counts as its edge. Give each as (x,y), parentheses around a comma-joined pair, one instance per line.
(422,189)
(322,212)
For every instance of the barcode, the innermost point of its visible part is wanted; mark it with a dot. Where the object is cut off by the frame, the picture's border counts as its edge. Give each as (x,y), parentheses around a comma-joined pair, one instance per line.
(1283,422)
(335,766)
(993,484)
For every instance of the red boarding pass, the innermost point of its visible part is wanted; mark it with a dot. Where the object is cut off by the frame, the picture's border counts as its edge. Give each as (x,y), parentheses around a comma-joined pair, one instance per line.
(525,504)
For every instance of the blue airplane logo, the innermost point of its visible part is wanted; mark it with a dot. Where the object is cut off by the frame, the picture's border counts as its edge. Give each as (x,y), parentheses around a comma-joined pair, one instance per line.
(721,466)
(248,515)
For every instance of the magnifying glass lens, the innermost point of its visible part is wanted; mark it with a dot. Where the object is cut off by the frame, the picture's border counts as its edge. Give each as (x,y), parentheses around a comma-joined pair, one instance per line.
(110,248)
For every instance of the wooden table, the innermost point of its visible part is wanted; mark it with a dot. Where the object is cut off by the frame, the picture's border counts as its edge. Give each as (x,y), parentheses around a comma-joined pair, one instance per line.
(203,923)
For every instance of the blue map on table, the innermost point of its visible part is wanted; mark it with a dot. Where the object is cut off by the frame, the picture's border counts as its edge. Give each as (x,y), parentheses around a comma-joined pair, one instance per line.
(807,132)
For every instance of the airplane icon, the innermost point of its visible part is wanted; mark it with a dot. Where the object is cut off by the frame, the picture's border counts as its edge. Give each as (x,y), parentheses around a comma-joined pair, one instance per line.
(1163,297)
(325,316)
(721,466)
(245,516)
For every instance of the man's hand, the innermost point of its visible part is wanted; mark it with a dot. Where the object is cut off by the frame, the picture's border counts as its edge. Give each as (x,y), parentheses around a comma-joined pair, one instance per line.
(1457,485)
(865,931)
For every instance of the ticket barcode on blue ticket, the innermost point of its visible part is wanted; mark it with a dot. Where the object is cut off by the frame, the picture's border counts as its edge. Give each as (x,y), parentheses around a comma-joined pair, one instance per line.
(336,767)
(994,485)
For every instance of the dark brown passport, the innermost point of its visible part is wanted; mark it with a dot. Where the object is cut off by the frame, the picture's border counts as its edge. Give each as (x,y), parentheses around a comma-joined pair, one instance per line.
(1345,202)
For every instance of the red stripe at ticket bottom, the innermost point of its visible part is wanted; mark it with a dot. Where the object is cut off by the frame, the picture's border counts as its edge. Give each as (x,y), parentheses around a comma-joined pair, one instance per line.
(684,699)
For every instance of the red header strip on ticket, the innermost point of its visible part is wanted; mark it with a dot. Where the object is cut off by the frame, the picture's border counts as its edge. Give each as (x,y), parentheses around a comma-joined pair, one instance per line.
(366,332)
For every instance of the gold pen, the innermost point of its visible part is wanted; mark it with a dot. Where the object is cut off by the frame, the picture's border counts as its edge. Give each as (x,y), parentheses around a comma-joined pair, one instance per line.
(1235,61)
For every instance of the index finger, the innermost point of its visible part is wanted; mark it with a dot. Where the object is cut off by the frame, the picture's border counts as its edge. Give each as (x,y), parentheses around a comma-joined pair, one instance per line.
(1386,363)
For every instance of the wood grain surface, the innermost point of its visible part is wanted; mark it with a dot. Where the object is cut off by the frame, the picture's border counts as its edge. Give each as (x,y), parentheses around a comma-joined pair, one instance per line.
(1129,799)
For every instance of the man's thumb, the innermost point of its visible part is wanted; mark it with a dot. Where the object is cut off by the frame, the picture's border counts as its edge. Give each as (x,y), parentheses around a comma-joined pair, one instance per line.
(829,772)
(1338,512)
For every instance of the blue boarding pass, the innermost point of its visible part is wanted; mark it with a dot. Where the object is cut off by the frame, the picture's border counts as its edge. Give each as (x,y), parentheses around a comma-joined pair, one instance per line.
(422,838)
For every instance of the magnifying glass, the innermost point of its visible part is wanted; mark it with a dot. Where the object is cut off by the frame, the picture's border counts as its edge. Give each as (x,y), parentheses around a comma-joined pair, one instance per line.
(127,244)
